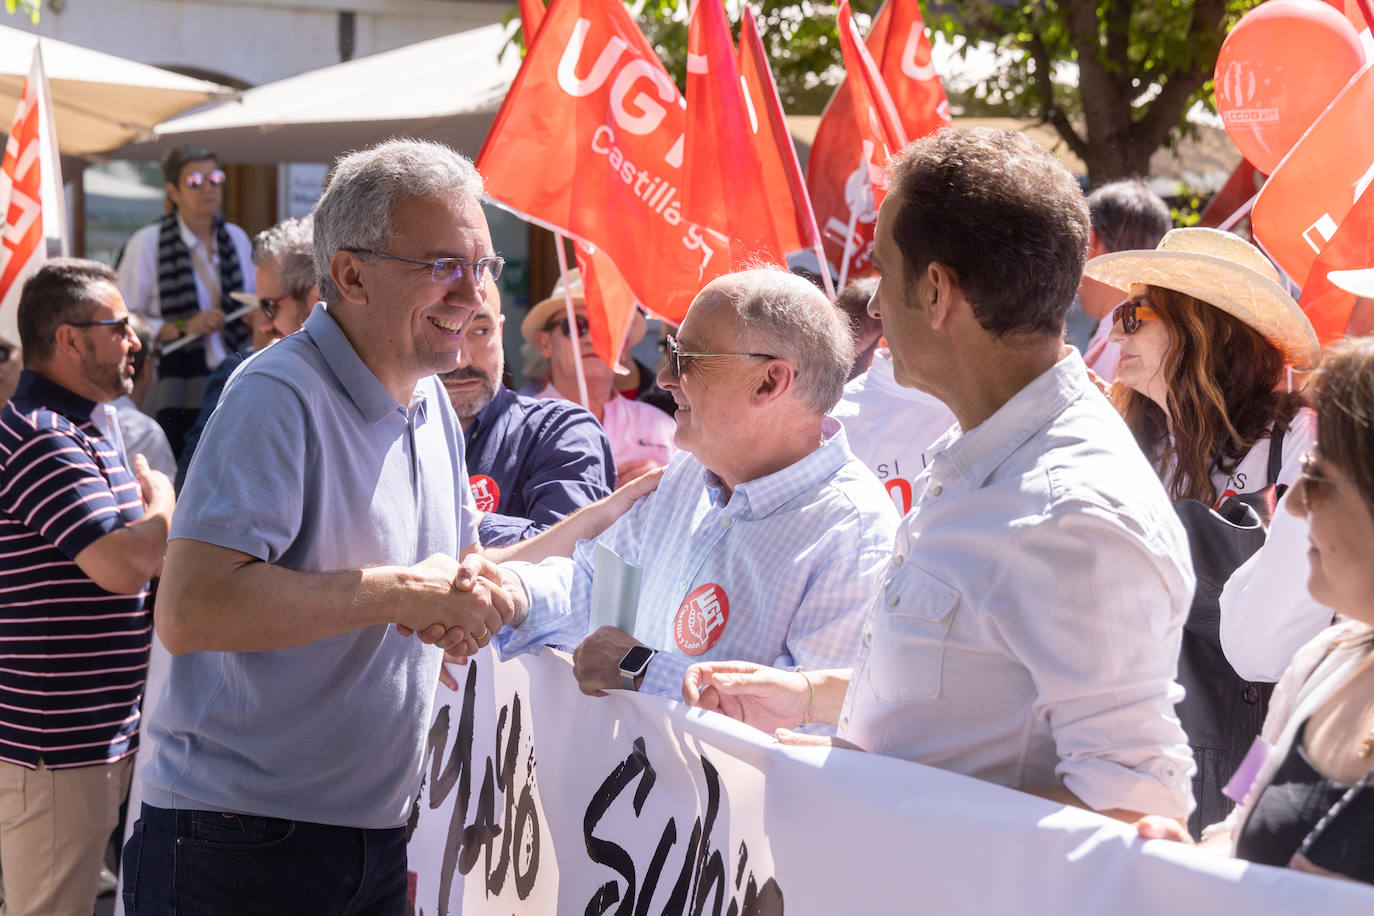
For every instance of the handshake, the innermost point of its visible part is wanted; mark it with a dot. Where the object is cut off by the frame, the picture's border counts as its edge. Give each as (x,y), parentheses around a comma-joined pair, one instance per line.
(460,605)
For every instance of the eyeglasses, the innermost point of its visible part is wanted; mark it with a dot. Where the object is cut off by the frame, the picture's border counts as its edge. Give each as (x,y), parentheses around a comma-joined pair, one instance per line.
(121,323)
(1131,313)
(583,328)
(675,357)
(196,179)
(1315,484)
(446,270)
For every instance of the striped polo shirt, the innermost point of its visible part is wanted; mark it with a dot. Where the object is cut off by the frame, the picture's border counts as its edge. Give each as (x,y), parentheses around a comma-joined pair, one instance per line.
(73,657)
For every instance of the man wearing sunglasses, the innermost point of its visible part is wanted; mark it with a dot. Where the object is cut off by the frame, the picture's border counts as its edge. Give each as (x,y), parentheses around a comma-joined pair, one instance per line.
(178,273)
(81,535)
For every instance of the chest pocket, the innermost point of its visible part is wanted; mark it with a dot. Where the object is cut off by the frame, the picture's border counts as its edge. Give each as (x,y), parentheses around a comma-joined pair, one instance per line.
(908,651)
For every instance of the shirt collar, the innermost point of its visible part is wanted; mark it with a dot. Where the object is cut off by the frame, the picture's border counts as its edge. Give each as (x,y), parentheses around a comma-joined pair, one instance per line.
(977,453)
(46,393)
(763,496)
(359,382)
(487,416)
(187,236)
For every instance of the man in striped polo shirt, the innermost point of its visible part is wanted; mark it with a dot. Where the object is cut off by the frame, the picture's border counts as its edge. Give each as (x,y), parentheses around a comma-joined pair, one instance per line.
(80,536)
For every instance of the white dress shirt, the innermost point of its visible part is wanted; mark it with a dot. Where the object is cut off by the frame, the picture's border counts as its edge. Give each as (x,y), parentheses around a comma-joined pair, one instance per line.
(1028,627)
(891,427)
(137,277)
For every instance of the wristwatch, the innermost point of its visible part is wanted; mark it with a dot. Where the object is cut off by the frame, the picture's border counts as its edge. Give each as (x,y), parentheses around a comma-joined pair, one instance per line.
(635,663)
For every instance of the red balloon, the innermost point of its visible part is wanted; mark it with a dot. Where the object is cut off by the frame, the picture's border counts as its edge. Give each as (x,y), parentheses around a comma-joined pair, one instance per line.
(1279,68)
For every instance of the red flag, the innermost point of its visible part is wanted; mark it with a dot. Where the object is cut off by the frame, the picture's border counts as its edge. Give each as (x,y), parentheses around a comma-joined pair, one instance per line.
(610,303)
(24,188)
(1319,180)
(899,44)
(724,183)
(793,220)
(531,16)
(859,129)
(590,141)
(1328,306)
(1244,182)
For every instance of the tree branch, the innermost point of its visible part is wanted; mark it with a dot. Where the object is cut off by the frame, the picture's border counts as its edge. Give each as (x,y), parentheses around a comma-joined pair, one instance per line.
(1167,108)
(1052,113)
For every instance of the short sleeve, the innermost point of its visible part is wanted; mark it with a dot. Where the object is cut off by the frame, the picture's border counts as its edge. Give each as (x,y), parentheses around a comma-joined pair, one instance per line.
(245,489)
(54,486)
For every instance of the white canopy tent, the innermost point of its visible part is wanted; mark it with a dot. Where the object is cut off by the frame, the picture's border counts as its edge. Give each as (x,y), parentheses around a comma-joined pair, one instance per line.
(99,101)
(445,89)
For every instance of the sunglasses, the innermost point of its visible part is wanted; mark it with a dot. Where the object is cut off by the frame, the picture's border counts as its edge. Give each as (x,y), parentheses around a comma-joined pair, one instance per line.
(676,356)
(1131,313)
(196,179)
(583,328)
(270,307)
(1315,485)
(121,323)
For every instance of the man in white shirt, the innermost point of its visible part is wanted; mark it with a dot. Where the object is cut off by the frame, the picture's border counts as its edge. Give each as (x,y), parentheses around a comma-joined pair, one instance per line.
(1126,216)
(1028,627)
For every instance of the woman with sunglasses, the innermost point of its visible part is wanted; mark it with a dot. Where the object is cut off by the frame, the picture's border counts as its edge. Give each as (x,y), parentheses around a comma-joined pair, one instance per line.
(178,273)
(1305,800)
(1207,339)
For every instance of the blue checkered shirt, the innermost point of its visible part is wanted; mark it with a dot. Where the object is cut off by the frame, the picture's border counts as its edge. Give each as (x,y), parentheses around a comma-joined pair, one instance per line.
(797,556)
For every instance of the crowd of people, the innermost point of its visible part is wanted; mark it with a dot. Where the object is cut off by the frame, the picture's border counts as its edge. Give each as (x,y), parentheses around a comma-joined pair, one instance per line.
(913,521)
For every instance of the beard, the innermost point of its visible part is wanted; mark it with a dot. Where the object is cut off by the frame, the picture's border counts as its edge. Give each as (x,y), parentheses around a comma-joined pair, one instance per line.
(111,378)
(468,404)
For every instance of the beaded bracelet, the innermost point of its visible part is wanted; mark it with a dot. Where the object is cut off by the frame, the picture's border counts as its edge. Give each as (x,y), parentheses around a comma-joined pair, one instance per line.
(811,705)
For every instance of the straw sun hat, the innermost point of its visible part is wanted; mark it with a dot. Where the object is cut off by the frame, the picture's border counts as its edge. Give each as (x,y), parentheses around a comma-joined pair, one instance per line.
(547,310)
(1225,271)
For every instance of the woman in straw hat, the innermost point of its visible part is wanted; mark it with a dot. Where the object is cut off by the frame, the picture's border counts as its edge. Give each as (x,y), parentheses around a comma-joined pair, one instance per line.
(1207,336)
(1305,803)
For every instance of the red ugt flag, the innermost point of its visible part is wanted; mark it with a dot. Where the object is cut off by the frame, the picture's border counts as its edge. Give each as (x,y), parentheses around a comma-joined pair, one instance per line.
(590,141)
(1328,306)
(531,17)
(1318,182)
(22,244)
(793,220)
(859,130)
(899,44)
(724,182)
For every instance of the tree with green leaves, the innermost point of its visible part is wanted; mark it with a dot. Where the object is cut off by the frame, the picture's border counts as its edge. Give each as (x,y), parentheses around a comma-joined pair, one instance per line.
(1140,66)
(29,7)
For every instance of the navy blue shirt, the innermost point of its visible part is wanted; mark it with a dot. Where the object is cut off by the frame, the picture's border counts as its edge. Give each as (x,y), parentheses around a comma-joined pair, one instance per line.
(75,655)
(532,462)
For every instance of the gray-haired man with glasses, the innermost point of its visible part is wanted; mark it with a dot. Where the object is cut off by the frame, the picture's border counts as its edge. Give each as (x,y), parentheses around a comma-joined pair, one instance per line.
(323,523)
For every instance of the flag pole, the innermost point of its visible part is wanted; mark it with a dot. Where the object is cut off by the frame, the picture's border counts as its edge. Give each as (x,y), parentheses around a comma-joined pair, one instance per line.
(1239,215)
(848,246)
(53,162)
(573,337)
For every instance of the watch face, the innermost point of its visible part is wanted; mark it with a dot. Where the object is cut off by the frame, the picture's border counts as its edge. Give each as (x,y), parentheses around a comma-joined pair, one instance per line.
(635,660)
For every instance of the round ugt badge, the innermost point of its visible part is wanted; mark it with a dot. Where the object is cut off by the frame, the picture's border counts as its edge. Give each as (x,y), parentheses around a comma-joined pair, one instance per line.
(485,492)
(701,619)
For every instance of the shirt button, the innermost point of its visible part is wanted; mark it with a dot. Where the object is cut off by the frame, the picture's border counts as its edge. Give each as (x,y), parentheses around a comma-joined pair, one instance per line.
(1251,694)
(937,490)
(868,637)
(725,523)
(682,584)
(898,560)
(892,602)
(844,721)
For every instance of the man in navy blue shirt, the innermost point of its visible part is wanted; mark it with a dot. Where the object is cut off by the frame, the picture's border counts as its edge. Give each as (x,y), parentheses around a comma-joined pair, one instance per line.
(531,461)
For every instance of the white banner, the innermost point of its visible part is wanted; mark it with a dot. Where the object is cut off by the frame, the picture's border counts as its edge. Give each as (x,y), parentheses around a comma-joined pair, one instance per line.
(538,799)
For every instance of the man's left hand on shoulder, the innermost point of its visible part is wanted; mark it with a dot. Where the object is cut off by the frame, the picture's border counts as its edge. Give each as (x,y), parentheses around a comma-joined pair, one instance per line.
(596,662)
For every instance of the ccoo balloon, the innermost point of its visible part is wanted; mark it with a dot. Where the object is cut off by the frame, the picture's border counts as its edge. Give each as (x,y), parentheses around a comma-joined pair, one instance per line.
(1278,69)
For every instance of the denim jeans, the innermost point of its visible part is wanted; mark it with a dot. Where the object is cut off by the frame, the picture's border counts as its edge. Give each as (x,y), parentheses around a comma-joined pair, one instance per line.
(212,862)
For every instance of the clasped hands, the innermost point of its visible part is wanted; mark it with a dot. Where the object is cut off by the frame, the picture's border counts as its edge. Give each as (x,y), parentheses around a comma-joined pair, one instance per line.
(459,605)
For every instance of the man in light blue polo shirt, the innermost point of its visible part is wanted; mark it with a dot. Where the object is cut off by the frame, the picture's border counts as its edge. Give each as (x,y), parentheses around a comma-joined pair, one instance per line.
(328,501)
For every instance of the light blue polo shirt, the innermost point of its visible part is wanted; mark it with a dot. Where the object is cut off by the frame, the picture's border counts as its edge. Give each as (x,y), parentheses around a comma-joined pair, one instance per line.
(308,463)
